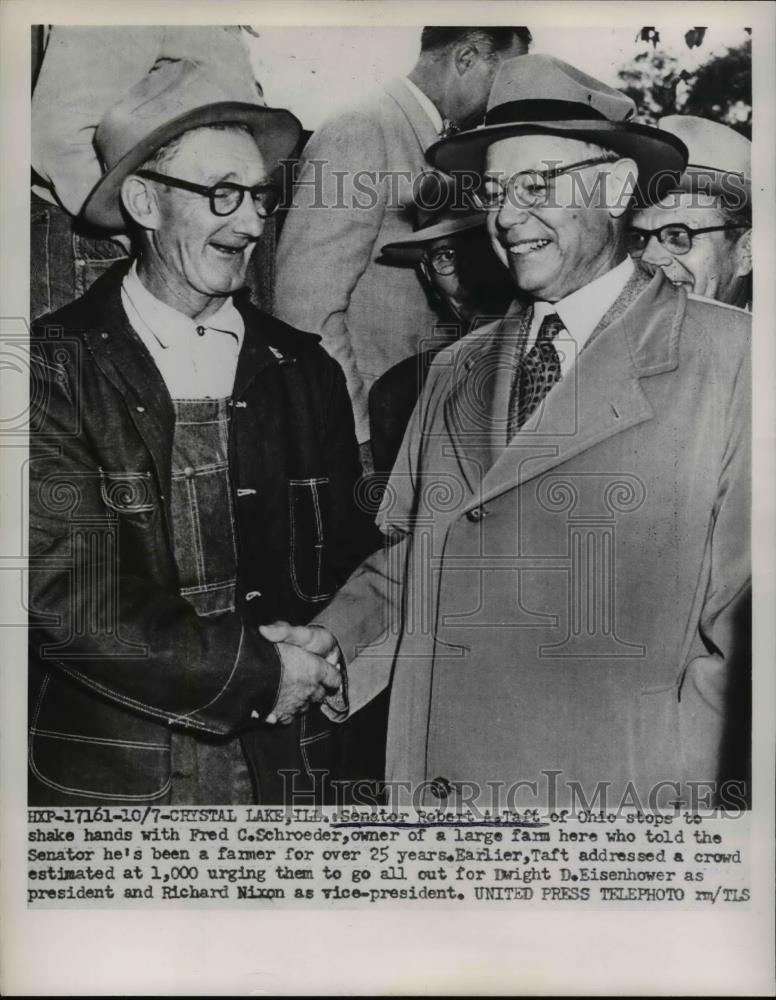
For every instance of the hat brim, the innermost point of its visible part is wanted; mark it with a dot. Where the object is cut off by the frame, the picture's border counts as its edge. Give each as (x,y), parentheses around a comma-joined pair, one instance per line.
(411,249)
(275,130)
(660,156)
(717,182)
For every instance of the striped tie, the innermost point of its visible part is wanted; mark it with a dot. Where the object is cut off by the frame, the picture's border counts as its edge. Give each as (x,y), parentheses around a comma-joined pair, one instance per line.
(536,374)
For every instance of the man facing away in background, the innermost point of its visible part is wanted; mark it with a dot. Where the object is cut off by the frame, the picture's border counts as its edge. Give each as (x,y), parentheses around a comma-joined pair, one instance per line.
(353,195)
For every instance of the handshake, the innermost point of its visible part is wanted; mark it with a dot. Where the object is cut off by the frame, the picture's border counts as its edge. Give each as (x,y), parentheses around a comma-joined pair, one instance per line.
(310,658)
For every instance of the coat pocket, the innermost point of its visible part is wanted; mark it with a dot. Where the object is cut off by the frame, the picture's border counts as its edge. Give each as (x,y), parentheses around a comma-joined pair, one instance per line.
(127,492)
(100,770)
(98,766)
(308,501)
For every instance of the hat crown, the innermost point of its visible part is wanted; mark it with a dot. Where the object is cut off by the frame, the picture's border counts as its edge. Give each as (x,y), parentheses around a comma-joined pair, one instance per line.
(171,88)
(710,144)
(550,81)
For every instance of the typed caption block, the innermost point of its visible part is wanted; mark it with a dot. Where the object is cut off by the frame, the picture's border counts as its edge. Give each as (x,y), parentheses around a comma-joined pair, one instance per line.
(252,856)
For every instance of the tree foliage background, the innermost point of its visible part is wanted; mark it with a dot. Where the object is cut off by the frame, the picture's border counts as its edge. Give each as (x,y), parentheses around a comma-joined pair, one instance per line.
(719,88)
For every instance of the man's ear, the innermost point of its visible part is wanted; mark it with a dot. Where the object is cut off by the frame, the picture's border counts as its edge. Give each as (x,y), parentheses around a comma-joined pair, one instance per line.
(744,254)
(424,277)
(621,179)
(422,271)
(140,200)
(465,56)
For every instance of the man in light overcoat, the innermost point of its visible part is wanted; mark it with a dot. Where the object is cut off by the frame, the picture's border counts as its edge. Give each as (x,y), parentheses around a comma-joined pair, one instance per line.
(562,617)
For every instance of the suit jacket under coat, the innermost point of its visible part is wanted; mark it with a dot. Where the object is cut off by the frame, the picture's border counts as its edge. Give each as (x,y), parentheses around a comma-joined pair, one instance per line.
(369,314)
(108,680)
(574,602)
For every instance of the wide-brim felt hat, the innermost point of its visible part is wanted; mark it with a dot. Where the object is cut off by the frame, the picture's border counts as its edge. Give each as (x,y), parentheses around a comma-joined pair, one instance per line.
(542,95)
(719,158)
(175,96)
(411,248)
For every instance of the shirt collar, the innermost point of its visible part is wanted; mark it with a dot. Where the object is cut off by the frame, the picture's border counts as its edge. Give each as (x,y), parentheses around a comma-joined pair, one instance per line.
(583,310)
(425,102)
(169,326)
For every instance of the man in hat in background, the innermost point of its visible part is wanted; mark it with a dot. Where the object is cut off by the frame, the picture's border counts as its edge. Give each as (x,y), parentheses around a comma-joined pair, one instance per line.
(454,262)
(192,471)
(451,254)
(700,234)
(561,617)
(353,195)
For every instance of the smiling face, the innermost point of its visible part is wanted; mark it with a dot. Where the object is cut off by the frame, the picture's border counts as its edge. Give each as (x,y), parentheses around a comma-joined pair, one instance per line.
(552,251)
(192,258)
(715,263)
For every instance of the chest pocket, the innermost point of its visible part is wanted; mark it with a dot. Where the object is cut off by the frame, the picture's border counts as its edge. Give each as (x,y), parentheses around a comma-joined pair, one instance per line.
(127,492)
(309,516)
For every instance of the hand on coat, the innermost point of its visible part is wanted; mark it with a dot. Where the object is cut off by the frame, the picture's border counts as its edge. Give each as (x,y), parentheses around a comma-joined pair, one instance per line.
(306,680)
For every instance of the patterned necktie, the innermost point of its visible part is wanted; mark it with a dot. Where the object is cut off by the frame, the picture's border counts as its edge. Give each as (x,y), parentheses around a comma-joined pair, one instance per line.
(536,374)
(448,128)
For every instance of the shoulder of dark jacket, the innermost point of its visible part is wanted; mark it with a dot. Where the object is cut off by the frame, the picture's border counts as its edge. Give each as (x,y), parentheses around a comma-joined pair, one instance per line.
(278,334)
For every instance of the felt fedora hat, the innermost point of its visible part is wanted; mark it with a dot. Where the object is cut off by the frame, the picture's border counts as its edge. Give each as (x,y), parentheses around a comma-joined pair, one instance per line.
(537,94)
(177,95)
(720,159)
(410,249)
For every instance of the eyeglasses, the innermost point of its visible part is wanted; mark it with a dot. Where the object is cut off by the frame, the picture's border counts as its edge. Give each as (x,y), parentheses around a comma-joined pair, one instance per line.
(526,189)
(676,237)
(443,261)
(225,197)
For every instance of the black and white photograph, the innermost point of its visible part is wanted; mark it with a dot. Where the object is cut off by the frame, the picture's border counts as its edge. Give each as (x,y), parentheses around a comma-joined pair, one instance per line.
(381,498)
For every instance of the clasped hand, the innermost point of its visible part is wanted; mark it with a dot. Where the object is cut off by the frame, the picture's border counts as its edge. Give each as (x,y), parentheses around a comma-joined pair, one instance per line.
(309,654)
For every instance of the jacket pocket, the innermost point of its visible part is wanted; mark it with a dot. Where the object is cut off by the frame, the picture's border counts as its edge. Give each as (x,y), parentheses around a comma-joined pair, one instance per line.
(104,770)
(127,492)
(308,501)
(80,748)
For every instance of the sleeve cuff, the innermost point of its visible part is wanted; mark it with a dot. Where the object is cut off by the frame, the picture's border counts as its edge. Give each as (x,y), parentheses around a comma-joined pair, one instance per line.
(263,659)
(336,707)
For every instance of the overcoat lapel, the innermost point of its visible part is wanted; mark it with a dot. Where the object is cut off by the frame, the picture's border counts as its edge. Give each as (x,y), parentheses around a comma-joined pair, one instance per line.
(601,395)
(477,406)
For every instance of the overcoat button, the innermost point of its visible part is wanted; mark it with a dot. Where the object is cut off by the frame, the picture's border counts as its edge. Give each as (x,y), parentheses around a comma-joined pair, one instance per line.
(440,788)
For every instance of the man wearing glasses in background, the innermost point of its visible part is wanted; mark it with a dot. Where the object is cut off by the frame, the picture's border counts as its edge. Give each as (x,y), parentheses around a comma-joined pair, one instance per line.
(192,472)
(455,264)
(700,235)
(562,619)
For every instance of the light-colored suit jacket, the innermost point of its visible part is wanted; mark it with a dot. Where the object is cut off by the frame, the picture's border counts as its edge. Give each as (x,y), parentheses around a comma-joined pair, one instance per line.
(571,607)
(353,196)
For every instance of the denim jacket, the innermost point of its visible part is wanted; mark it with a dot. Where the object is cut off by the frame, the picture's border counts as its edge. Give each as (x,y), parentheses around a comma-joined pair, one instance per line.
(117,656)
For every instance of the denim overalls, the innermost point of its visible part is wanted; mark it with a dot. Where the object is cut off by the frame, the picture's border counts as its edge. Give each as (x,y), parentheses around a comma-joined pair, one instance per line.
(206,555)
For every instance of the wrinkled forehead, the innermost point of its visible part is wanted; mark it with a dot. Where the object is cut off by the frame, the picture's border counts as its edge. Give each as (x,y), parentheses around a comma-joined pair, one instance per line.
(212,154)
(535,152)
(693,209)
